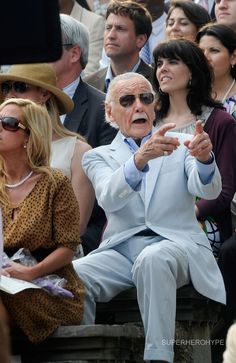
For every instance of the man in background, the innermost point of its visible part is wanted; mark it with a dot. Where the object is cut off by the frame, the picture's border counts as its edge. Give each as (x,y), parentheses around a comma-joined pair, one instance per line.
(225,11)
(87,117)
(128,27)
(95,24)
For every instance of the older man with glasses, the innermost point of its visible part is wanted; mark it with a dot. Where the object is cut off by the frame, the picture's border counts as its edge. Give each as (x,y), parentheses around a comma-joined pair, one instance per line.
(146,180)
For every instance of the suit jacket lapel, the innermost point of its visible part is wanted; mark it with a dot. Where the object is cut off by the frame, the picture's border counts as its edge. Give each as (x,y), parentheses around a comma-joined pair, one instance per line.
(121,152)
(75,117)
(146,70)
(99,79)
(151,178)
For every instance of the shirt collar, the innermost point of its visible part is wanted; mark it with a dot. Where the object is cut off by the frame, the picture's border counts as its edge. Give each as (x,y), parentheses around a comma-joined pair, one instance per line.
(132,144)
(70,88)
(109,76)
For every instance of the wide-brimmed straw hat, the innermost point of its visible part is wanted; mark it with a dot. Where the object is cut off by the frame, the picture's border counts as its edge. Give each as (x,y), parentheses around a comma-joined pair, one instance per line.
(41,75)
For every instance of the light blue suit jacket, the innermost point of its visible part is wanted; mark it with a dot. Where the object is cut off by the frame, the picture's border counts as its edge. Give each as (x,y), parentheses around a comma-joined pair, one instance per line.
(164,203)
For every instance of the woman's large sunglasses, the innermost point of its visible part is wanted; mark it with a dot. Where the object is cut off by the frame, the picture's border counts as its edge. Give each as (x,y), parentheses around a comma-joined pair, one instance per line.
(128,100)
(19,87)
(11,123)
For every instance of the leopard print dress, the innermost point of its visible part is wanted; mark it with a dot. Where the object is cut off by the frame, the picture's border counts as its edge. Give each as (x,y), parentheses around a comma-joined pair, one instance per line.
(47,218)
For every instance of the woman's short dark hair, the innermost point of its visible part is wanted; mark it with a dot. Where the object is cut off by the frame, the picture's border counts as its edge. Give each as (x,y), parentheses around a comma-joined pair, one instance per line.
(224,34)
(136,12)
(200,89)
(194,12)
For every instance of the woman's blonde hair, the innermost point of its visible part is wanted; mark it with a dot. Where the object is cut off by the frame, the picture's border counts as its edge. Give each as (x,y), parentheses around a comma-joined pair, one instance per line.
(39,129)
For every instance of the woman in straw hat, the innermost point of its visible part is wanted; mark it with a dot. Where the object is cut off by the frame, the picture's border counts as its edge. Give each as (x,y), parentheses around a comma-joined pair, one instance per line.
(41,214)
(38,83)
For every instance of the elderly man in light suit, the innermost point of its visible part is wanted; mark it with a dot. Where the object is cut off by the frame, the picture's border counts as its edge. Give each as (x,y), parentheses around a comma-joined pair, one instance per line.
(152,240)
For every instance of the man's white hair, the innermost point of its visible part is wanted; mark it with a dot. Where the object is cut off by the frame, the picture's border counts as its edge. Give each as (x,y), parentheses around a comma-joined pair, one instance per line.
(75,33)
(110,93)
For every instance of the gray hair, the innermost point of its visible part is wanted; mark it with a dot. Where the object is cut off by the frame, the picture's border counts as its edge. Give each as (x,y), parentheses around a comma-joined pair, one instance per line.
(122,77)
(75,33)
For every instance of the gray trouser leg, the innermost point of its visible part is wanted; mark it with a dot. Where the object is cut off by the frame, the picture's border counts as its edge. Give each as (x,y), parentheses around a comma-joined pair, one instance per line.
(157,272)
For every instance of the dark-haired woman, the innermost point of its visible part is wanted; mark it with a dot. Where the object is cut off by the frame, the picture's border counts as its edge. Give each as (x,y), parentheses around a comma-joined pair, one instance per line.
(184,19)
(183,83)
(218,43)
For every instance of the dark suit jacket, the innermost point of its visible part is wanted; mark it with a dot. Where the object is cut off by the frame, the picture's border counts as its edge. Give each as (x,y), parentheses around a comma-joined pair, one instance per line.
(97,79)
(88,119)
(221,128)
(88,116)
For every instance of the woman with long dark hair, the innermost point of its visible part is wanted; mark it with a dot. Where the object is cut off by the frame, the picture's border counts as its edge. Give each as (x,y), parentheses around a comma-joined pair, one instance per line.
(183,81)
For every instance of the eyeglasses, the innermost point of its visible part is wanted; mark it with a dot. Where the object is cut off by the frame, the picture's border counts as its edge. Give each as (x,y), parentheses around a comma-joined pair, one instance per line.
(66,45)
(11,123)
(128,100)
(19,87)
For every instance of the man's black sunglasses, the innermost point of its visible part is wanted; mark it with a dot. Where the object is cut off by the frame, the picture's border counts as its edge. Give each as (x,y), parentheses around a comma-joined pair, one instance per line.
(128,100)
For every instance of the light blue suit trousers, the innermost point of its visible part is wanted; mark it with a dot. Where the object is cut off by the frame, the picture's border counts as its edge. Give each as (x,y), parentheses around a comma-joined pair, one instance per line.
(157,267)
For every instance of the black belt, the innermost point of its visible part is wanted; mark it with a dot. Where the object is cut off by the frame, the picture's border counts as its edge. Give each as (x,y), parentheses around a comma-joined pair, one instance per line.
(146,232)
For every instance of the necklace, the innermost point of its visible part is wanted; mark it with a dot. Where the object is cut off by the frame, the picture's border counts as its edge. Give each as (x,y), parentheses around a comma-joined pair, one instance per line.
(20,182)
(228,91)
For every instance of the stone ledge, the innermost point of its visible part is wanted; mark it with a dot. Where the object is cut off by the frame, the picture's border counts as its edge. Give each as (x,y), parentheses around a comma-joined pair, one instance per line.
(118,335)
